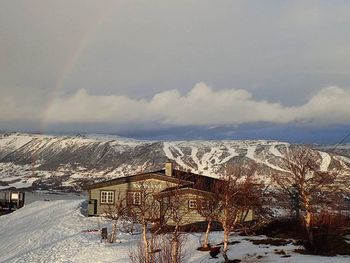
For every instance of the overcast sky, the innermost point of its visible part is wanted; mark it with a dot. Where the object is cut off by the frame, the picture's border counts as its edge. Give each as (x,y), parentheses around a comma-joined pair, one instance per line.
(174,69)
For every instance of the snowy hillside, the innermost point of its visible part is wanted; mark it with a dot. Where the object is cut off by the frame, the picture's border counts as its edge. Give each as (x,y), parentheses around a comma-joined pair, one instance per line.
(69,162)
(341,149)
(54,232)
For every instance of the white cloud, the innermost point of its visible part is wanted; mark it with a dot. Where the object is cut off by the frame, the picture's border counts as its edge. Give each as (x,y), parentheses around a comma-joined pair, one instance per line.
(329,105)
(201,106)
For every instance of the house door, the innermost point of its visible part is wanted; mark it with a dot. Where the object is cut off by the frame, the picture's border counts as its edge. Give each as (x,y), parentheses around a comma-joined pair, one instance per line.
(95,206)
(92,207)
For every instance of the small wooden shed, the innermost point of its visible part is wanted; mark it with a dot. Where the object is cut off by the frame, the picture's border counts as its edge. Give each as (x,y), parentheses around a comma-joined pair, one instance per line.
(11,200)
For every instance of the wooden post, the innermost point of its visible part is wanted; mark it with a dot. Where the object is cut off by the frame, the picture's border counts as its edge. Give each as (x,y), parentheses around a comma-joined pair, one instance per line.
(104,233)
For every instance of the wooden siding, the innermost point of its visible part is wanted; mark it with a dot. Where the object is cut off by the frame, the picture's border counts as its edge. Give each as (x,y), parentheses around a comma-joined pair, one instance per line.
(188,215)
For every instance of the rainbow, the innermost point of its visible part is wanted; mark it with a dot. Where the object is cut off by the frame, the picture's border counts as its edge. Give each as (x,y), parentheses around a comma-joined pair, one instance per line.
(72,61)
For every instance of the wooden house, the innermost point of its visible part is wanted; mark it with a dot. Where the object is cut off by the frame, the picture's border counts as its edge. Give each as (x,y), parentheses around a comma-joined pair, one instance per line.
(191,190)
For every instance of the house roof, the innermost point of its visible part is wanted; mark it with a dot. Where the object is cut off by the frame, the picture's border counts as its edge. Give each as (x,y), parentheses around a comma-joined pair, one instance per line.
(186,179)
(200,182)
(138,177)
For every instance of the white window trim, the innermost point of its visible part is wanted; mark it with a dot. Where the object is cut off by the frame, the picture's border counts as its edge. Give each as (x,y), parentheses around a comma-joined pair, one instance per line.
(107,197)
(192,204)
(135,197)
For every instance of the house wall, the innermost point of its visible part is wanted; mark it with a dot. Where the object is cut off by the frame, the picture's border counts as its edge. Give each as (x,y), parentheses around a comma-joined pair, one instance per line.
(250,215)
(188,215)
(120,191)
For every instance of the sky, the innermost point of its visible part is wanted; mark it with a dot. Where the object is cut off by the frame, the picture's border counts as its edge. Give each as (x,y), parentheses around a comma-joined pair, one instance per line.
(177,69)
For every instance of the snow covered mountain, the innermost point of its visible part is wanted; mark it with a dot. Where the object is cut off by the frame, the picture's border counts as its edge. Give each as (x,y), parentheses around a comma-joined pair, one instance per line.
(340,149)
(68,162)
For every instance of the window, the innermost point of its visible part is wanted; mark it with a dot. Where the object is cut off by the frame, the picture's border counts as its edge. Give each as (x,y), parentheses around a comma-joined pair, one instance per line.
(192,204)
(134,198)
(205,204)
(107,197)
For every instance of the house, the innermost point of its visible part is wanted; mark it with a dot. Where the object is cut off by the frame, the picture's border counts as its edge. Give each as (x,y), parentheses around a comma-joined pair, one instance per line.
(190,189)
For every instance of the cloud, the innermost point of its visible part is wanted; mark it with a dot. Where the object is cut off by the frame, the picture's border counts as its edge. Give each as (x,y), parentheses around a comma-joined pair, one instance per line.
(22,104)
(329,105)
(120,47)
(202,105)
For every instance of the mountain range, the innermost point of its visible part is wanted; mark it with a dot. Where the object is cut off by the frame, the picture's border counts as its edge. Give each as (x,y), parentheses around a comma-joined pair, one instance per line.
(67,163)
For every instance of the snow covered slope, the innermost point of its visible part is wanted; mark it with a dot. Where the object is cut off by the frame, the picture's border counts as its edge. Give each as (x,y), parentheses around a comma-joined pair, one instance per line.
(55,232)
(52,232)
(341,149)
(69,162)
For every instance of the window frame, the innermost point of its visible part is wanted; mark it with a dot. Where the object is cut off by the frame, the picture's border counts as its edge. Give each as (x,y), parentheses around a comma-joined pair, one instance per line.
(134,198)
(205,204)
(192,204)
(109,193)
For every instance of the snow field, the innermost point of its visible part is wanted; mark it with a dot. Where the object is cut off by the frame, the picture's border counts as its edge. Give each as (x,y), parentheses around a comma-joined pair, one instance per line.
(54,232)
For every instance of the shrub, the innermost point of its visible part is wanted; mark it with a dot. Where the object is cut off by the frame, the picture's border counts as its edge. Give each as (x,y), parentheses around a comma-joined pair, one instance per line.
(326,234)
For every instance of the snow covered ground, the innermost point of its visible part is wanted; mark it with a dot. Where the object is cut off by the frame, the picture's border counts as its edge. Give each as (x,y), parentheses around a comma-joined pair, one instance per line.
(54,232)
(31,197)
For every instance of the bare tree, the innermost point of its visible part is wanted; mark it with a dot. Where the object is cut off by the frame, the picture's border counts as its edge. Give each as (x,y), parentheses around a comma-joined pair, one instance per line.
(309,188)
(162,255)
(145,210)
(208,207)
(237,196)
(174,214)
(116,213)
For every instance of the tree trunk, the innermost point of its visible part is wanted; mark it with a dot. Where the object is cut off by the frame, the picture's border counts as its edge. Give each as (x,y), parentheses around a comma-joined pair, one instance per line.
(297,215)
(307,222)
(224,253)
(206,238)
(175,249)
(152,248)
(175,246)
(226,230)
(113,236)
(307,216)
(145,243)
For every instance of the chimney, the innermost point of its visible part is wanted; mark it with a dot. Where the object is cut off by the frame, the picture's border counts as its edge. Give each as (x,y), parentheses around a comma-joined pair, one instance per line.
(169,167)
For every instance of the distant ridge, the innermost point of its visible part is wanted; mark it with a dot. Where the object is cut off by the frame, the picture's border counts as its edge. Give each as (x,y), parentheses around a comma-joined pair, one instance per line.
(66,163)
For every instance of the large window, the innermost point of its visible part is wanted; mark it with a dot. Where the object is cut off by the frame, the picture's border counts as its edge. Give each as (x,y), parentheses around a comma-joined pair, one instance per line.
(134,198)
(107,197)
